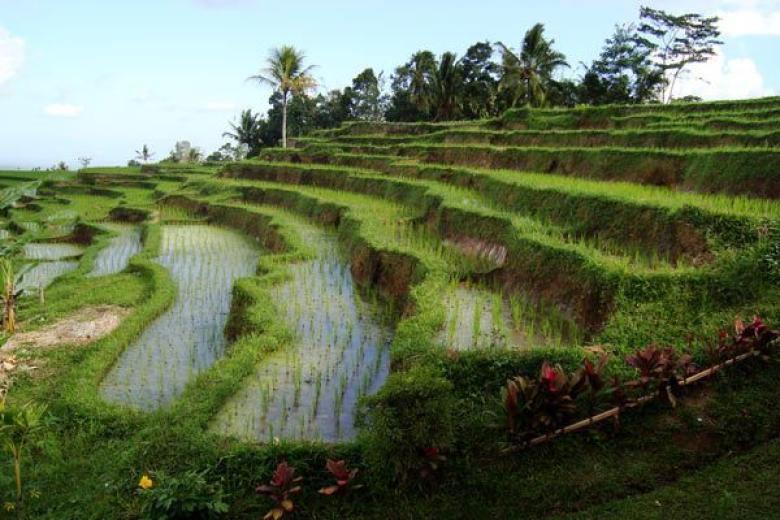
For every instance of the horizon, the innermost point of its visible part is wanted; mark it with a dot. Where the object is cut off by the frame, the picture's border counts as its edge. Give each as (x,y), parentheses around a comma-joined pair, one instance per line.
(101,80)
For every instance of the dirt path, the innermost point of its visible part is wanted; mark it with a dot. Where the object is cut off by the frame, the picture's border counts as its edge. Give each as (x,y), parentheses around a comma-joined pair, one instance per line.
(85,326)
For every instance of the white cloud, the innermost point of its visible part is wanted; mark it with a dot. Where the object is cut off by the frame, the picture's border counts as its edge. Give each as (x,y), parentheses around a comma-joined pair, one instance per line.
(220,106)
(63,110)
(722,78)
(750,17)
(11,55)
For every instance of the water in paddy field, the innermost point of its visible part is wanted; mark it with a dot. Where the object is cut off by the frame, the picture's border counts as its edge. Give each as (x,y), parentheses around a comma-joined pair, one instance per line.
(42,274)
(477,318)
(203,261)
(51,265)
(310,389)
(51,251)
(116,255)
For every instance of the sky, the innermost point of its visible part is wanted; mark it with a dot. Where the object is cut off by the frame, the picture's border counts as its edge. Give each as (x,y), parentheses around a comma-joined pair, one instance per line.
(99,79)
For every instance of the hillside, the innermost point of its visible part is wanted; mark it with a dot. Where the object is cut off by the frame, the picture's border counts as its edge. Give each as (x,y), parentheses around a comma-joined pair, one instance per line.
(377,286)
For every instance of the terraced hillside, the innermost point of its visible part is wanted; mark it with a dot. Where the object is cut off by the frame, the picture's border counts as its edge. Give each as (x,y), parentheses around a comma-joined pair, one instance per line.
(367,294)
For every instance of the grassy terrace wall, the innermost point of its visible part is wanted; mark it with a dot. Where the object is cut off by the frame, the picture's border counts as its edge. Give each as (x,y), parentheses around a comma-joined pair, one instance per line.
(577,280)
(640,138)
(754,172)
(673,226)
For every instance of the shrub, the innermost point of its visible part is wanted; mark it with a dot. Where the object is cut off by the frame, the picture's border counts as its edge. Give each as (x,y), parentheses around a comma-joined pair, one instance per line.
(189,496)
(409,416)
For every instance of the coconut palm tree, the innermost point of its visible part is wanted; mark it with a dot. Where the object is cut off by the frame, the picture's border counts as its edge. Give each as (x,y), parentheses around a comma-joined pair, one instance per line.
(446,86)
(144,154)
(529,73)
(247,131)
(422,69)
(286,74)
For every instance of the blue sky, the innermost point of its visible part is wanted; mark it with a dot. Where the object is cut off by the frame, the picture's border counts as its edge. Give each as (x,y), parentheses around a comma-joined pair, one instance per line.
(100,78)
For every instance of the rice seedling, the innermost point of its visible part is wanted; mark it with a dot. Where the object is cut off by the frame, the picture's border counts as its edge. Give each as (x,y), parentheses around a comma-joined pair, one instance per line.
(188,338)
(115,257)
(341,341)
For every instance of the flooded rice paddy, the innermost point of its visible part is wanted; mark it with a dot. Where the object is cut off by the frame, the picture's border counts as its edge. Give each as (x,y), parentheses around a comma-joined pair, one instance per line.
(51,251)
(52,261)
(116,255)
(203,261)
(478,318)
(340,353)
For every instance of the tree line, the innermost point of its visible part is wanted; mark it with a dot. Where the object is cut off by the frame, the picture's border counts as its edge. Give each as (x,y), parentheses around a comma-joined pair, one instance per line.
(640,63)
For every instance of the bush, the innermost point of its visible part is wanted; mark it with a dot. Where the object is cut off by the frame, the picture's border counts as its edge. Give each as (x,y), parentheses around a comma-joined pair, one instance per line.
(188,496)
(408,417)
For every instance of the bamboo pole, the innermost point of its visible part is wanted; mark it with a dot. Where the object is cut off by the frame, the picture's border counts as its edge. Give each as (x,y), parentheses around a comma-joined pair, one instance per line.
(615,412)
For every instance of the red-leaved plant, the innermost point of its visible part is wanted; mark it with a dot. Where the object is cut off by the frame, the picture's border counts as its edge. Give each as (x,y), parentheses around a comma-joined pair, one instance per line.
(662,368)
(543,405)
(344,477)
(283,486)
(755,336)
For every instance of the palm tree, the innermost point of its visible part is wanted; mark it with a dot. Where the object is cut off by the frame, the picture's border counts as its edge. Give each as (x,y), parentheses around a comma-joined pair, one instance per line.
(447,83)
(247,132)
(531,71)
(422,69)
(286,74)
(144,154)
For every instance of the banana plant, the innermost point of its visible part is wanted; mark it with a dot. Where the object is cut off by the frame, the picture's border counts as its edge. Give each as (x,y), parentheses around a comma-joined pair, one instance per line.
(19,427)
(10,294)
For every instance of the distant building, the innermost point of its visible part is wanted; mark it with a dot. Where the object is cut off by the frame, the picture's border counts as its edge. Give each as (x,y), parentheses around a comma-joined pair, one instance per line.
(182,151)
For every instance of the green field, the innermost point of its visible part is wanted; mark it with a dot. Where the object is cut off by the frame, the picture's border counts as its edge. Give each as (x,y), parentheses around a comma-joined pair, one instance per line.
(366,294)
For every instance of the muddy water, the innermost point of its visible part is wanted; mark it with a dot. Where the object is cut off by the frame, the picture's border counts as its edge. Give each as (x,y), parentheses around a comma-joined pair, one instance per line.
(341,352)
(116,255)
(204,261)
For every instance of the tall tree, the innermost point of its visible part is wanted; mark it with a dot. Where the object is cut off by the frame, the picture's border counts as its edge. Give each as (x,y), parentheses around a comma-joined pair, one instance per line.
(527,75)
(365,94)
(678,41)
(446,87)
(285,73)
(624,71)
(248,132)
(480,81)
(411,87)
(144,154)
(422,69)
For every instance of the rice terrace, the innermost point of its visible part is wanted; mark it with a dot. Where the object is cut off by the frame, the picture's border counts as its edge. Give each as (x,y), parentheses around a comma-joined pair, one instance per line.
(515,282)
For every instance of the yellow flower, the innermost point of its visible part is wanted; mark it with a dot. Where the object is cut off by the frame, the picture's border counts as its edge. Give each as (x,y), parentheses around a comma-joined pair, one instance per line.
(145,482)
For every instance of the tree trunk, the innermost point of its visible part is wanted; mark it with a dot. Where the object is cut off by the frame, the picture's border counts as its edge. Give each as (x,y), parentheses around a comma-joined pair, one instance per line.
(284,120)
(18,477)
